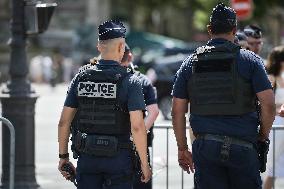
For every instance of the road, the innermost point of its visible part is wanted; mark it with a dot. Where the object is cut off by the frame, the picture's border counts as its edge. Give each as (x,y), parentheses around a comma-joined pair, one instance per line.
(48,108)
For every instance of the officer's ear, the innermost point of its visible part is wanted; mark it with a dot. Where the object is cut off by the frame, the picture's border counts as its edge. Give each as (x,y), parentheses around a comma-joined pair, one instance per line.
(99,47)
(209,29)
(121,48)
(234,31)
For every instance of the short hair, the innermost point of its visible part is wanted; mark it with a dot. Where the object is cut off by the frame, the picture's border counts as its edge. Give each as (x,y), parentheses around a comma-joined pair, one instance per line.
(223,19)
(274,60)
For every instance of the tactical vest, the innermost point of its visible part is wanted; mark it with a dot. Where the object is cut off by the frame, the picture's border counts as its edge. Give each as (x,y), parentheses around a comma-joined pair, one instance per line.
(99,110)
(215,86)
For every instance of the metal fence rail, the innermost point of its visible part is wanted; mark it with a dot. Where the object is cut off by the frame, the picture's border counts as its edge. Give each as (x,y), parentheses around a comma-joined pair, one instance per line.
(167,128)
(12,151)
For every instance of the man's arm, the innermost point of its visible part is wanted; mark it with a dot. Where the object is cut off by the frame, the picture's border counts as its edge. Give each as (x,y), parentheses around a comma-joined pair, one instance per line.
(139,135)
(66,118)
(267,104)
(179,110)
(153,112)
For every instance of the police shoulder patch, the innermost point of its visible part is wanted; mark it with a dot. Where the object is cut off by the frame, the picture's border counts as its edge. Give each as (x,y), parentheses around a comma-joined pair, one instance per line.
(96,90)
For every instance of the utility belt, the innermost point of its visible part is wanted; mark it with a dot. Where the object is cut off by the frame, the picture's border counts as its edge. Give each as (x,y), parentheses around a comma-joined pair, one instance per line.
(99,145)
(227,142)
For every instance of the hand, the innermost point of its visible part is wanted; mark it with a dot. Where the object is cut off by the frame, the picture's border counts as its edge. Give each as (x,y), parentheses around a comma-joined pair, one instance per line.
(146,173)
(64,173)
(281,111)
(185,161)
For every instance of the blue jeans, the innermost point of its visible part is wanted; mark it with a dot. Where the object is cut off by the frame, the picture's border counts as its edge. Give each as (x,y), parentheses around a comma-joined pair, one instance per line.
(97,172)
(240,171)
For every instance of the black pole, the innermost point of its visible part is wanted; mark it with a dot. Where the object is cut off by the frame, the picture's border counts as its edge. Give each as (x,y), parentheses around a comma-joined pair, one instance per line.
(18,105)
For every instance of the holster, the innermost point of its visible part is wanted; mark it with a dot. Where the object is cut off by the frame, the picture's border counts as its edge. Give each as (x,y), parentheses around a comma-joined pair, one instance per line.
(262,150)
(99,145)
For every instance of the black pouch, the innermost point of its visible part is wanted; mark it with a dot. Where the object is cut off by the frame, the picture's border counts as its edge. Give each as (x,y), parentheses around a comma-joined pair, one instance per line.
(101,145)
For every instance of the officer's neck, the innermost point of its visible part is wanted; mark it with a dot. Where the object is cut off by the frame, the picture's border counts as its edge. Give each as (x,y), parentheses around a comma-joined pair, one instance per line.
(223,36)
(110,57)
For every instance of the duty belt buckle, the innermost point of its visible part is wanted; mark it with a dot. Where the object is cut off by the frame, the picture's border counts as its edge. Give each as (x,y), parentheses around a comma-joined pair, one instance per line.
(225,149)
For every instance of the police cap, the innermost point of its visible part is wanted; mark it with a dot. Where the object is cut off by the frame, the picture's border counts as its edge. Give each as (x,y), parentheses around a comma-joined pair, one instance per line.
(223,17)
(111,29)
(241,36)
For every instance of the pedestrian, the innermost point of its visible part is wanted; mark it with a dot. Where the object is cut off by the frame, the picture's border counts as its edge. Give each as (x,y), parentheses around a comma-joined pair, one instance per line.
(221,83)
(242,40)
(254,38)
(275,69)
(152,110)
(109,104)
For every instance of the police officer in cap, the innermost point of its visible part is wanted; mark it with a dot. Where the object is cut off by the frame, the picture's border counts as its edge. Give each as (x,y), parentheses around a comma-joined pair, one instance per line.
(110,104)
(152,110)
(221,83)
(254,38)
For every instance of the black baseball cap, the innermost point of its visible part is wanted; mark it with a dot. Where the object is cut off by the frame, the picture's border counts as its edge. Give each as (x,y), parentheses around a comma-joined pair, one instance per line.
(111,29)
(223,19)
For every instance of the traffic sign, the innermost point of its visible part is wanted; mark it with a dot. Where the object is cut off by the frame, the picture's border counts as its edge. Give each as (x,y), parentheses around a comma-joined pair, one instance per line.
(243,8)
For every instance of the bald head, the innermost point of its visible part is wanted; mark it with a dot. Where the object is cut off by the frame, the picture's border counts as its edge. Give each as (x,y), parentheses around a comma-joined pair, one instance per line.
(112,49)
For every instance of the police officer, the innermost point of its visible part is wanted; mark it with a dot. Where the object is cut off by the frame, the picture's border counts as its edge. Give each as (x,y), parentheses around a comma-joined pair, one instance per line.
(221,83)
(109,103)
(254,38)
(150,97)
(242,40)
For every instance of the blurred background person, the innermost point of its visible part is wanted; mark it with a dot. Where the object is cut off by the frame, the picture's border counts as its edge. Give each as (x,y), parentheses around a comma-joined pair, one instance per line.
(254,38)
(152,110)
(275,69)
(241,39)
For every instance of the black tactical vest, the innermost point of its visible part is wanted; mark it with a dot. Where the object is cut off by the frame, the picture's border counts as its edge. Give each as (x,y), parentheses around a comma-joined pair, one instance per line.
(215,86)
(100,111)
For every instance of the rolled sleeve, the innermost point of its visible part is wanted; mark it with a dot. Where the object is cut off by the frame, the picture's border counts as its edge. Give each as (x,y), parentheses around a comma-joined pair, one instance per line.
(135,95)
(181,79)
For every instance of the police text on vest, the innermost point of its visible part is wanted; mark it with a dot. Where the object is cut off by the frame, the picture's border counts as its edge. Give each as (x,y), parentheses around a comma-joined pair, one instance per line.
(99,90)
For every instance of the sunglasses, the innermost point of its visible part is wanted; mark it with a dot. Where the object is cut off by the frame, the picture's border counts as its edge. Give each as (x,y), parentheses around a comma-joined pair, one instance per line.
(253,33)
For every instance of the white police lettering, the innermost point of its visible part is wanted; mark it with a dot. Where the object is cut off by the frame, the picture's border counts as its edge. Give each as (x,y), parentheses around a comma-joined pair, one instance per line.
(92,89)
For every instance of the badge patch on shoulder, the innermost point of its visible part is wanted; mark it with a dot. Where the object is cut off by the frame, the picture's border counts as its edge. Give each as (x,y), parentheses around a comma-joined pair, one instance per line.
(99,90)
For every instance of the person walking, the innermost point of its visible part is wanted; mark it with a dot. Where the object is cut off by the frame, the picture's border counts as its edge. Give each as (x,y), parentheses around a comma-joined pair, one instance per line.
(275,69)
(109,104)
(221,82)
(152,110)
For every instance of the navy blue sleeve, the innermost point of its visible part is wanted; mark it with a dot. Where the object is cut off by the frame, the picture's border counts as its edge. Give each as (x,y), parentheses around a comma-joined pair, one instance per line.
(260,79)
(181,79)
(135,99)
(71,98)
(258,75)
(149,91)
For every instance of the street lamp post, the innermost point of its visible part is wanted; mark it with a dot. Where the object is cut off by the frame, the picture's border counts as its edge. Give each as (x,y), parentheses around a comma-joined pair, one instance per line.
(18,105)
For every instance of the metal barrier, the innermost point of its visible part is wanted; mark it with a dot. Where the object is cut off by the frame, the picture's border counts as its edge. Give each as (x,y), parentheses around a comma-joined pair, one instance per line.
(12,152)
(168,127)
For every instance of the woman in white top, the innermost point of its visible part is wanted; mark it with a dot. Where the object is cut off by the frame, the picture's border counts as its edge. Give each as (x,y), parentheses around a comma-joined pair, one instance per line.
(275,69)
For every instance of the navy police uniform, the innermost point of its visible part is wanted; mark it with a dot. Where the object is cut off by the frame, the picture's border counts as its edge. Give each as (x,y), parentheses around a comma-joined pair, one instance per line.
(223,162)
(150,97)
(113,171)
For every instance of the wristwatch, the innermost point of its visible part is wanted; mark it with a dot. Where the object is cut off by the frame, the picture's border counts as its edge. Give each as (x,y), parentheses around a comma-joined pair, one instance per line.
(64,156)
